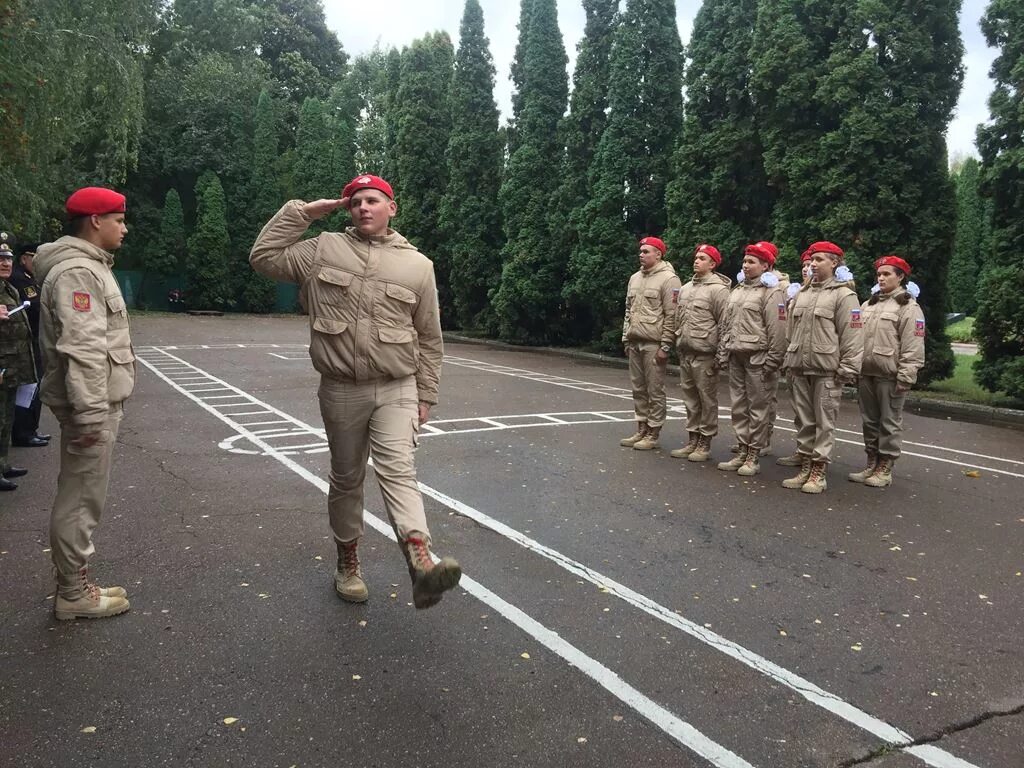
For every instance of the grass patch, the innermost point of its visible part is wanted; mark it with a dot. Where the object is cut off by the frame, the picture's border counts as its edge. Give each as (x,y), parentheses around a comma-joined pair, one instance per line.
(961,331)
(962,387)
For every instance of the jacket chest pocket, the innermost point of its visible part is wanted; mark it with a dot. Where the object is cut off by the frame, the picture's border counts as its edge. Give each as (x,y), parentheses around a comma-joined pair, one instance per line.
(117,312)
(396,304)
(825,339)
(886,336)
(651,306)
(332,291)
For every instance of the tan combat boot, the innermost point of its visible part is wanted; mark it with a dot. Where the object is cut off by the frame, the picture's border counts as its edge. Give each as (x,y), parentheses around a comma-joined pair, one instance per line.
(736,461)
(800,479)
(816,482)
(751,463)
(735,448)
(882,477)
(703,450)
(89,601)
(868,471)
(636,437)
(686,450)
(430,580)
(793,460)
(649,441)
(348,578)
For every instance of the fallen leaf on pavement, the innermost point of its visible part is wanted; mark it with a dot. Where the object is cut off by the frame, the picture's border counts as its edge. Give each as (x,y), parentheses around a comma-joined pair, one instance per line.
(89,729)
(230,720)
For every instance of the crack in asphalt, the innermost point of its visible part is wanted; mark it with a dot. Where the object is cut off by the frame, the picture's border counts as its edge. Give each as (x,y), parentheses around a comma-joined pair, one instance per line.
(949,730)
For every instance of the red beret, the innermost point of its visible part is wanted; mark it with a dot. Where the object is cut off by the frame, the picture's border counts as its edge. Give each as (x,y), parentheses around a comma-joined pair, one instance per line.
(761,251)
(367,181)
(806,255)
(660,245)
(893,261)
(94,201)
(709,250)
(770,246)
(824,246)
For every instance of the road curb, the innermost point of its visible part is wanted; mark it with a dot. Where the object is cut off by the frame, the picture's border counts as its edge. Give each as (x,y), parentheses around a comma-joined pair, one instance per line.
(1007,418)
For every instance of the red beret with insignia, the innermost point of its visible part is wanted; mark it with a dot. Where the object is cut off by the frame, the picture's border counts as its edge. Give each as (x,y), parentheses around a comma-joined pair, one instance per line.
(893,261)
(94,201)
(760,251)
(709,250)
(824,246)
(367,181)
(655,242)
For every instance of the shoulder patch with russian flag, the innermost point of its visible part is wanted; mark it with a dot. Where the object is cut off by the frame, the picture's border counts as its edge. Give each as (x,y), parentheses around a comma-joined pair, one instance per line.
(919,327)
(675,295)
(81,301)
(855,319)
(782,310)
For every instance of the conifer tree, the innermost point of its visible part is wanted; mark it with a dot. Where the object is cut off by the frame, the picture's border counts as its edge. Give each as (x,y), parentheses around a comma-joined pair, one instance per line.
(165,254)
(424,119)
(527,302)
(312,173)
(517,76)
(1000,323)
(206,265)
(968,253)
(265,197)
(719,193)
(469,218)
(632,165)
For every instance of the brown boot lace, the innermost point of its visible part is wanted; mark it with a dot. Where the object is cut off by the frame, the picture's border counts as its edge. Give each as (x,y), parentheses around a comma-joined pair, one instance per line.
(348,557)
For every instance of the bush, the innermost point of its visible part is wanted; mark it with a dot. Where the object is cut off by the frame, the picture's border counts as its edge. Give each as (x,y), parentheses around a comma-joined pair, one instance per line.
(961,331)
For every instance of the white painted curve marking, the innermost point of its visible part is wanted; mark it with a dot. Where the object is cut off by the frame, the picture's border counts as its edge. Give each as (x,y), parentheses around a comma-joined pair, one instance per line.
(678,729)
(933,756)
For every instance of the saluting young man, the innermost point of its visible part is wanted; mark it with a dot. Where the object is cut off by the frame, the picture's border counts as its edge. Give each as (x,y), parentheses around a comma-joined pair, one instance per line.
(375,339)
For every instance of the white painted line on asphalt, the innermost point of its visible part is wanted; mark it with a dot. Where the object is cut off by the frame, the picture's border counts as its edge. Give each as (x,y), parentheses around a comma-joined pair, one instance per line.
(681,731)
(933,756)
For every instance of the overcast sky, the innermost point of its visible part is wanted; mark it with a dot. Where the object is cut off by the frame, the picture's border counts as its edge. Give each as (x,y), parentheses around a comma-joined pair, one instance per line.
(360,24)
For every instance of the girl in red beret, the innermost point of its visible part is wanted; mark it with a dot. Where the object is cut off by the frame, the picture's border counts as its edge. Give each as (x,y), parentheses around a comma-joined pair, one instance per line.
(894,331)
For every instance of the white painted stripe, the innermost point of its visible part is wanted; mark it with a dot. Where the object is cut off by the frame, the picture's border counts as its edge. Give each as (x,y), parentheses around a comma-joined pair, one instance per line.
(684,733)
(932,756)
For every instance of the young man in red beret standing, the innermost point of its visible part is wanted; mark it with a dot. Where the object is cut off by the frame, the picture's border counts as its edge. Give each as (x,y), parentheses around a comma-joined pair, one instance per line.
(648,332)
(90,372)
(375,338)
(703,303)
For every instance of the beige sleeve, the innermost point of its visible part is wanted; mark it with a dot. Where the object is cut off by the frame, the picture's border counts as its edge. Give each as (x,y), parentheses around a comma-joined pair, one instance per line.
(775,325)
(78,305)
(278,252)
(625,317)
(668,310)
(720,309)
(851,339)
(911,356)
(427,321)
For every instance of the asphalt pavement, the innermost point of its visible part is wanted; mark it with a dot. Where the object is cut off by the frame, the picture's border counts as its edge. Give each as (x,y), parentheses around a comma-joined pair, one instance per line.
(618,607)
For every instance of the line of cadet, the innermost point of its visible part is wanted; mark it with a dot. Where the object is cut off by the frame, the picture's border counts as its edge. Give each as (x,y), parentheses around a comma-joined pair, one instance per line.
(815,332)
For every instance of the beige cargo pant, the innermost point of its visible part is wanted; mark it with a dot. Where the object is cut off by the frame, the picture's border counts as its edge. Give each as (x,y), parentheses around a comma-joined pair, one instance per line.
(698,379)
(816,403)
(752,400)
(81,496)
(647,377)
(378,419)
(881,409)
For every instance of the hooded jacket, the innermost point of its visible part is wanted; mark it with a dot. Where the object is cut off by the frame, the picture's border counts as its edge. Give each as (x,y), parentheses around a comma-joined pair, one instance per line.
(651,305)
(757,323)
(701,314)
(894,330)
(372,302)
(826,331)
(84,334)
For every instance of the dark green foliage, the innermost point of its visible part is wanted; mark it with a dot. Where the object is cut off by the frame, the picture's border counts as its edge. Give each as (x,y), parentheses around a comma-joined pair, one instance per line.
(517,74)
(165,255)
(969,251)
(632,165)
(720,193)
(206,265)
(854,101)
(469,218)
(313,175)
(424,124)
(257,293)
(999,327)
(528,301)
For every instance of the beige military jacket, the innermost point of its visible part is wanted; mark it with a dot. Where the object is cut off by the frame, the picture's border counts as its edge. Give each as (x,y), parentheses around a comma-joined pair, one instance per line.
(894,331)
(757,323)
(826,331)
(372,303)
(651,305)
(84,335)
(700,314)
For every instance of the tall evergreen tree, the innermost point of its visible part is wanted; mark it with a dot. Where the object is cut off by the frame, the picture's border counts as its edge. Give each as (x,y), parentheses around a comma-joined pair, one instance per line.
(517,74)
(424,122)
(632,165)
(1000,323)
(527,302)
(469,217)
(855,116)
(719,193)
(313,172)
(391,82)
(209,247)
(580,130)
(165,253)
(258,293)
(968,253)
